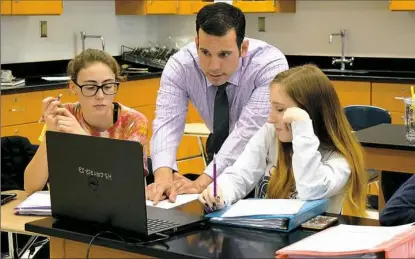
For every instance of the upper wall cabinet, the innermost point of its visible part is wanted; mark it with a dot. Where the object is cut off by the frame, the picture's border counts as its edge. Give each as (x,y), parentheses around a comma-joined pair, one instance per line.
(265,6)
(31,7)
(142,7)
(6,7)
(399,5)
(191,7)
(184,7)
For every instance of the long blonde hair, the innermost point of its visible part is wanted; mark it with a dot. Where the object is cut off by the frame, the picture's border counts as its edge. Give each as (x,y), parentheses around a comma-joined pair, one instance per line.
(310,88)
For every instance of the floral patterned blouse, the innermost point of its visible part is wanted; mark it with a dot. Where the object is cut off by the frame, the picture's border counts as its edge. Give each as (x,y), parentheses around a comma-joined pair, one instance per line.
(130,125)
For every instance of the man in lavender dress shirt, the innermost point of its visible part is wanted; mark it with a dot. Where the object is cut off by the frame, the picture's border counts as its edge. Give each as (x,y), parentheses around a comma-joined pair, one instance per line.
(221,56)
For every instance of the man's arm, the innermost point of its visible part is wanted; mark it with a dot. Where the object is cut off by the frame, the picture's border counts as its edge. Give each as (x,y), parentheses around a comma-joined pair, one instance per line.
(253,117)
(400,209)
(169,123)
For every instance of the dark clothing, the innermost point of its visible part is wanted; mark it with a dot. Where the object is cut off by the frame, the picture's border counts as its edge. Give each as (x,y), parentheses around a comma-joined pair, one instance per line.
(400,209)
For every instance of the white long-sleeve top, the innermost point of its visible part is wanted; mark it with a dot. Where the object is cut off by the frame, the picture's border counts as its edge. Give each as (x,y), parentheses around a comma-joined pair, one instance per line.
(318,173)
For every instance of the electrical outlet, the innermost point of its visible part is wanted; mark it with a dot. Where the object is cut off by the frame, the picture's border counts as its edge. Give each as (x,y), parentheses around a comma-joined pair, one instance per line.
(43,29)
(261,23)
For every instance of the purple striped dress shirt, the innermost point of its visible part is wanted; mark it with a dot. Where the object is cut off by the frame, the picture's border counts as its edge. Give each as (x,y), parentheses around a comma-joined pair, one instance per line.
(248,93)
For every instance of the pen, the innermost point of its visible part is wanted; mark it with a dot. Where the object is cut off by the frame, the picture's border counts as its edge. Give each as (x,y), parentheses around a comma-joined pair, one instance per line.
(214,176)
(413,100)
(57,99)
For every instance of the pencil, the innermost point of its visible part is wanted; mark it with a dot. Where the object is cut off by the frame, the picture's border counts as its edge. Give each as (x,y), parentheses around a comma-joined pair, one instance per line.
(214,176)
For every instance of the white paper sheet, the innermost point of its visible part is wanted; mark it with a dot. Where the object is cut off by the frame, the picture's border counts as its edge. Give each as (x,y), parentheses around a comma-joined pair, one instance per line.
(37,200)
(347,238)
(264,207)
(180,199)
(56,78)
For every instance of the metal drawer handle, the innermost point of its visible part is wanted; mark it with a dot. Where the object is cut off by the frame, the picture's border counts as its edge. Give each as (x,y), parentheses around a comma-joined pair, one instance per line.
(17,110)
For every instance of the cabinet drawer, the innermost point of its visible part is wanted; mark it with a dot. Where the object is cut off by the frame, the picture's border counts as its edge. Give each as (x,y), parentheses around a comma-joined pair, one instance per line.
(138,93)
(30,131)
(21,108)
(383,95)
(352,93)
(67,95)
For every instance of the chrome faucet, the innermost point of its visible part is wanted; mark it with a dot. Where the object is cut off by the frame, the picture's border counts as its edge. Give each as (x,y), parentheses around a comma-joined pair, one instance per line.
(84,36)
(343,60)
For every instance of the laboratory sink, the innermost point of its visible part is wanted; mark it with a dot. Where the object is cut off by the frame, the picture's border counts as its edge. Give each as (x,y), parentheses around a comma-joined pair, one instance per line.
(346,71)
(369,73)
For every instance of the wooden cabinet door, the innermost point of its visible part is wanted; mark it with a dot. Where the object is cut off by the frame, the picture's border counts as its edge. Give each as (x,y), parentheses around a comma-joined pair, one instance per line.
(35,7)
(397,118)
(353,93)
(192,7)
(162,6)
(6,7)
(138,93)
(399,5)
(383,95)
(21,108)
(266,6)
(29,130)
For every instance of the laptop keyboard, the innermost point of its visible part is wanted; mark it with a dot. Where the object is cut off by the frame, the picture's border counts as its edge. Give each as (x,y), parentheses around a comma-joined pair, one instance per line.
(158,224)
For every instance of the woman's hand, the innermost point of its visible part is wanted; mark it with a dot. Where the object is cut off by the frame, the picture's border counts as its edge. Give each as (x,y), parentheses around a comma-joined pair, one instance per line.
(66,122)
(294,114)
(211,202)
(49,107)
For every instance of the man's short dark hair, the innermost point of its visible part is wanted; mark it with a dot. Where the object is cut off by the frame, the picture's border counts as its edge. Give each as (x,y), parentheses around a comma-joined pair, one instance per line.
(218,18)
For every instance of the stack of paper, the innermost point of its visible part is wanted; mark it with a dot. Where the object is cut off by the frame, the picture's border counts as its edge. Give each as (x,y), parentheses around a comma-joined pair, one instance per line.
(262,207)
(36,204)
(13,83)
(180,200)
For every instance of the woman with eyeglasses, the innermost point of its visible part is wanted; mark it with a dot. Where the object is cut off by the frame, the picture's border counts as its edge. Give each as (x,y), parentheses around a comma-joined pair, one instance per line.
(95,78)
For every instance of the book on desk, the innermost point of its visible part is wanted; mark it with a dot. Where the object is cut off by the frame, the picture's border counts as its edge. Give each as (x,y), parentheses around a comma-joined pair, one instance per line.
(284,222)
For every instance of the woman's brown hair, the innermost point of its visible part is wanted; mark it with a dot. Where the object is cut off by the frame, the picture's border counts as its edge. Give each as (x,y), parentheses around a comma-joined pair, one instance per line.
(90,56)
(313,92)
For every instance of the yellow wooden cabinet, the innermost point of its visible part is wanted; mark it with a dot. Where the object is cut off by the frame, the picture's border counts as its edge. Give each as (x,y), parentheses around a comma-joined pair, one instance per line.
(21,108)
(143,7)
(36,7)
(353,93)
(402,5)
(184,7)
(138,93)
(191,6)
(266,6)
(383,95)
(28,130)
(6,7)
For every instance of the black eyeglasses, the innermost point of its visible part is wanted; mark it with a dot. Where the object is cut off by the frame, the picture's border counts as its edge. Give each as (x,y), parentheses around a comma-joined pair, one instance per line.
(89,90)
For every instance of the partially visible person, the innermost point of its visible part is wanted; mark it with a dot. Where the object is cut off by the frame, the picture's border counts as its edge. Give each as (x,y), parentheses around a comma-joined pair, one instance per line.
(306,150)
(226,77)
(95,79)
(400,209)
